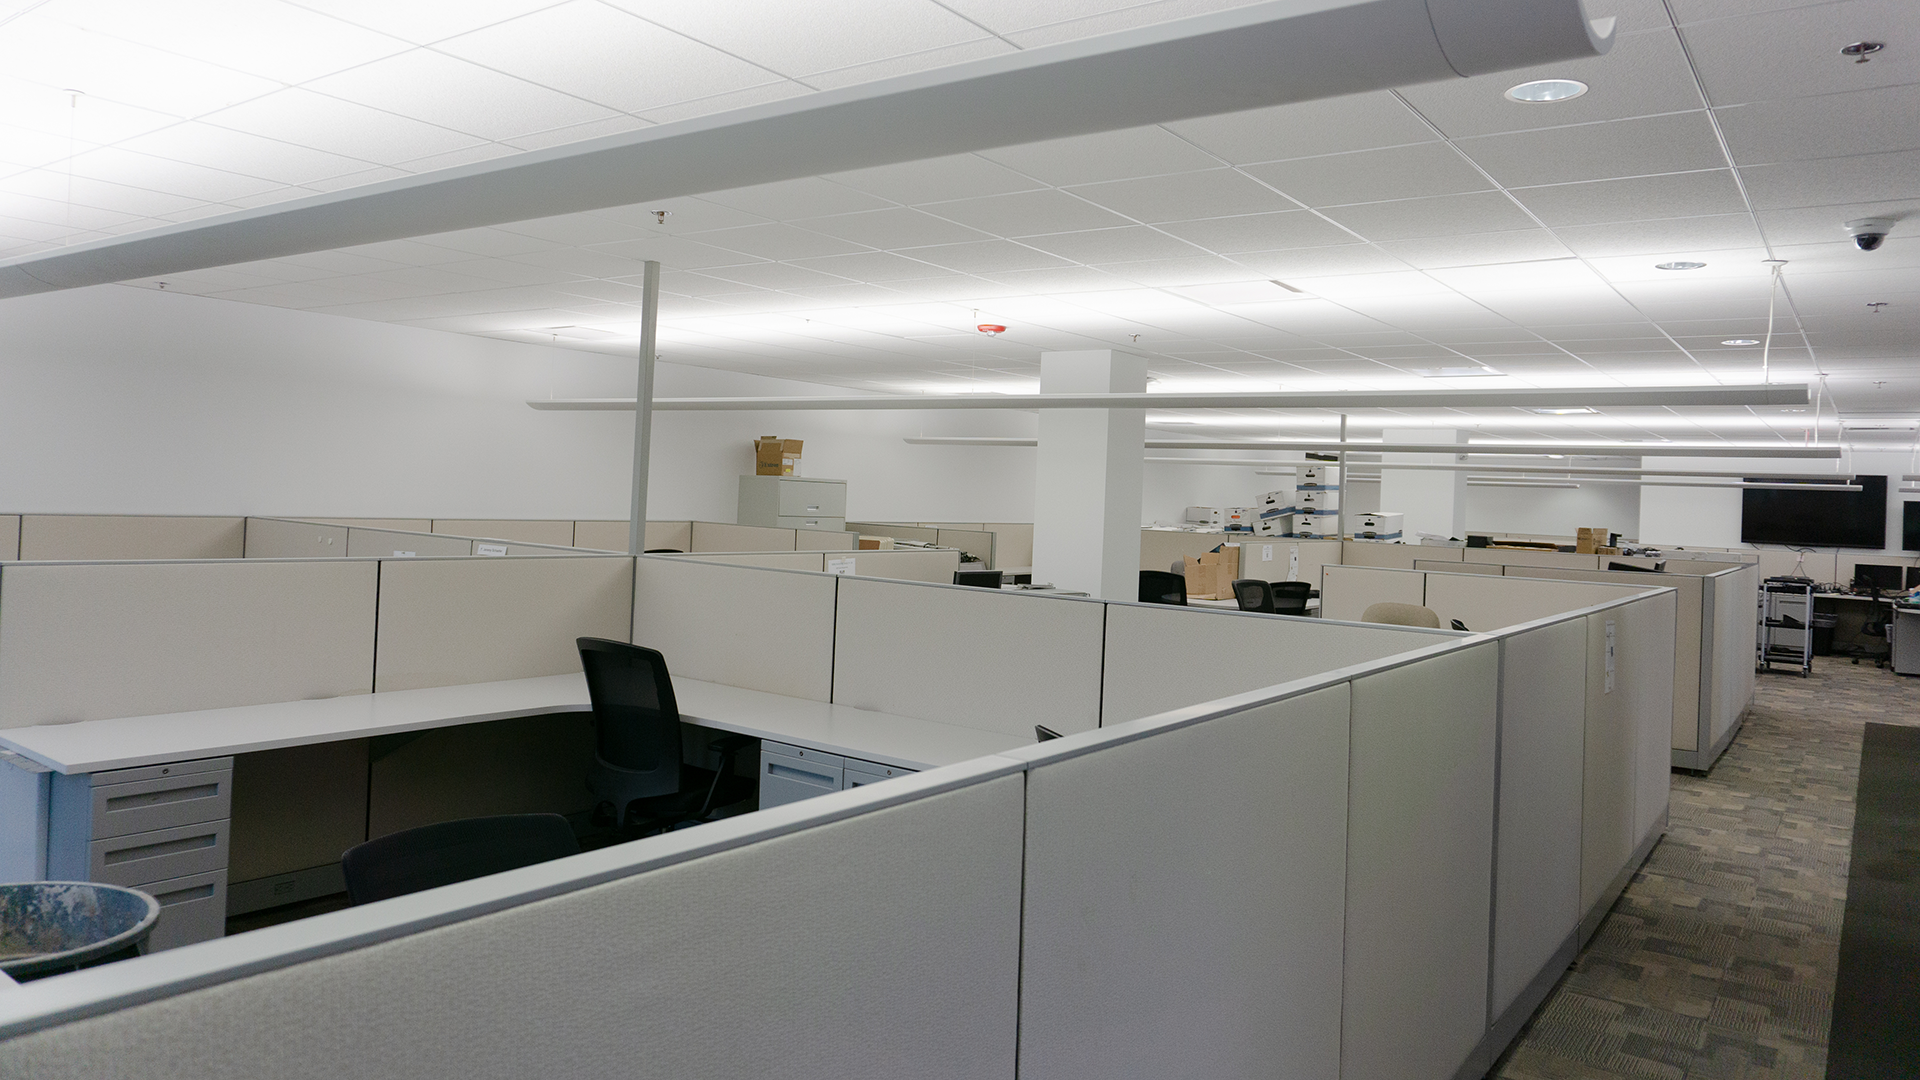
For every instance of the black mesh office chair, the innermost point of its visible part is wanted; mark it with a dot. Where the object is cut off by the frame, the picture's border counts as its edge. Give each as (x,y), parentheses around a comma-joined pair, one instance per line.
(1161,587)
(637,770)
(984,579)
(1253,595)
(450,851)
(1290,597)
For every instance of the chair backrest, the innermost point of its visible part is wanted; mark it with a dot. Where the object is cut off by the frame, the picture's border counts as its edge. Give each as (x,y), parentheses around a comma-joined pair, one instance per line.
(984,579)
(1253,595)
(1161,587)
(435,855)
(1290,597)
(1401,615)
(635,716)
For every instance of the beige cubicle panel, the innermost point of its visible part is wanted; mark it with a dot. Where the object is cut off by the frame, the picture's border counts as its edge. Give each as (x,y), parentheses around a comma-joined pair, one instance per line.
(718,536)
(1160,657)
(1735,633)
(9,537)
(1460,567)
(491,548)
(1627,766)
(1484,602)
(1526,557)
(866,892)
(1394,556)
(90,641)
(387,544)
(1346,592)
(1012,543)
(1161,548)
(743,626)
(1420,847)
(896,530)
(450,621)
(825,540)
(613,535)
(980,658)
(974,542)
(1149,954)
(903,564)
(555,533)
(778,560)
(279,538)
(127,536)
(390,524)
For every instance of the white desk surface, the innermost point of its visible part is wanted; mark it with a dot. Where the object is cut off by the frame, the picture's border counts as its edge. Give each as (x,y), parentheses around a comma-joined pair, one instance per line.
(1313,603)
(99,745)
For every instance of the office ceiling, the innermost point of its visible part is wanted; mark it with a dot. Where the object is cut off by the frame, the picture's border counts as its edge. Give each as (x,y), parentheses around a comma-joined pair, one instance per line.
(1428,230)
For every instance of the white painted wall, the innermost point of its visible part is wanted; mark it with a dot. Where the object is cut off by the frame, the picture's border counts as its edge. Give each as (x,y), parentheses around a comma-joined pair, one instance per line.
(1712,518)
(1557,511)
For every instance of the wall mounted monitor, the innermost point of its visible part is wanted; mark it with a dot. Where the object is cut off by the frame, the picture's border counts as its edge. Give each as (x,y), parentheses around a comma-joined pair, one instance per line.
(1816,518)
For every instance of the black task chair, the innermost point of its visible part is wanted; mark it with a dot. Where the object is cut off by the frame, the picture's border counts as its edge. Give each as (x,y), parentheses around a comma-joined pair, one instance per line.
(1253,595)
(1290,597)
(663,551)
(1161,587)
(637,771)
(435,855)
(983,579)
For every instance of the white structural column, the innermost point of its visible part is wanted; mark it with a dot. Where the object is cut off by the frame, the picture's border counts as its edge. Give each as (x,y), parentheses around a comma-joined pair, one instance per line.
(1434,502)
(1086,492)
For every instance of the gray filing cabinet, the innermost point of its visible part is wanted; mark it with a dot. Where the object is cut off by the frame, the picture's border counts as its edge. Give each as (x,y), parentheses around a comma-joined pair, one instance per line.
(162,829)
(793,502)
(791,773)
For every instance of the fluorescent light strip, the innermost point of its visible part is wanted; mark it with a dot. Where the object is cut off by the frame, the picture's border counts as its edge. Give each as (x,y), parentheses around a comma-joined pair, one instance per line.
(1454,449)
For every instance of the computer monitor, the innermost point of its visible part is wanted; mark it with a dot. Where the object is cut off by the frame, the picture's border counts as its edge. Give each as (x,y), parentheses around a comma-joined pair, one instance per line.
(1638,569)
(1913,577)
(1884,576)
(985,579)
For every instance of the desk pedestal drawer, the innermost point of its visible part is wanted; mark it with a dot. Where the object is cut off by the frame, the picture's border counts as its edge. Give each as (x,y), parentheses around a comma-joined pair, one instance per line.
(192,908)
(146,805)
(860,773)
(791,773)
(161,855)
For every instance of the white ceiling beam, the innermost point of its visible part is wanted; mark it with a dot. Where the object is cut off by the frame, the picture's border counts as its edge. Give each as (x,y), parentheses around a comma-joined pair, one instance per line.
(1267,53)
(1508,397)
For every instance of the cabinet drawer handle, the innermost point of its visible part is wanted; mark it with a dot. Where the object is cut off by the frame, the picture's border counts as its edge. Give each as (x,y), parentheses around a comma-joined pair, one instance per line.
(160,798)
(181,896)
(164,847)
(776,769)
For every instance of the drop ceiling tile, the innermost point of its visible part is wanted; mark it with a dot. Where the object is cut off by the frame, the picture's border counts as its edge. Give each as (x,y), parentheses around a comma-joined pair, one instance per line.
(984,257)
(584,262)
(281,42)
(1130,244)
(1027,213)
(1666,240)
(28,108)
(1319,262)
(1635,199)
(1521,245)
(1866,178)
(1329,126)
(872,266)
(1832,125)
(485,241)
(1261,232)
(452,93)
(1441,215)
(510,272)
(774,276)
(423,23)
(711,104)
(790,199)
(1644,74)
(244,154)
(890,229)
(1185,196)
(1677,142)
(1168,273)
(1112,155)
(776,241)
(799,40)
(593,129)
(167,175)
(571,229)
(978,49)
(338,127)
(1400,172)
(589,49)
(39,49)
(1030,25)
(959,176)
(1055,280)
(1760,56)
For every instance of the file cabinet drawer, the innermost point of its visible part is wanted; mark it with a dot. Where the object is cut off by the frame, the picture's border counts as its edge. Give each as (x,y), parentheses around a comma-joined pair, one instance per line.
(161,803)
(192,908)
(859,773)
(790,773)
(800,498)
(143,858)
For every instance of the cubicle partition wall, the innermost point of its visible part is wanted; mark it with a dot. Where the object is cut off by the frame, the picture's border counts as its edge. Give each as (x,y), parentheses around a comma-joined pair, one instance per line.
(9,537)
(75,537)
(1395,556)
(1268,558)
(548,533)
(902,564)
(287,538)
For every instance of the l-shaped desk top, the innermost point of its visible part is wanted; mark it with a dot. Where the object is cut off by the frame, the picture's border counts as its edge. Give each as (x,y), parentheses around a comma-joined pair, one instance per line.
(98,745)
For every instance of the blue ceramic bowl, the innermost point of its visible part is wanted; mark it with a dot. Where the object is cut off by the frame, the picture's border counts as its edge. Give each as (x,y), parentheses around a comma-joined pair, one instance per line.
(53,926)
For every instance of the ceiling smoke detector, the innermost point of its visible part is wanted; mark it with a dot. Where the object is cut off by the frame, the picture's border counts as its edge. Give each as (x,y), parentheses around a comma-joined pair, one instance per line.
(1861,50)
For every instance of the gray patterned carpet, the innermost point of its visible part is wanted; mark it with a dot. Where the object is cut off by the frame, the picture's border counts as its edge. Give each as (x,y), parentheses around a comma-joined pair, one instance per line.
(1719,959)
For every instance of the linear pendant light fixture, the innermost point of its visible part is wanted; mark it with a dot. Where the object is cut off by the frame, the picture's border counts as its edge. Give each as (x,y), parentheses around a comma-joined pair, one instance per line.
(1330,446)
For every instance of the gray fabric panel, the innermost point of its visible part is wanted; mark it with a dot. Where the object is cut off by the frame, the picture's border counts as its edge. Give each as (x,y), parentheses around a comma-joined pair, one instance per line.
(883,946)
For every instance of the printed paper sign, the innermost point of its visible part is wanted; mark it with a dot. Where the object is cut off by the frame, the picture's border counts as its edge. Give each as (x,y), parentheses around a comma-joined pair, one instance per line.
(1293,563)
(840,566)
(1266,552)
(403,554)
(1609,656)
(489,549)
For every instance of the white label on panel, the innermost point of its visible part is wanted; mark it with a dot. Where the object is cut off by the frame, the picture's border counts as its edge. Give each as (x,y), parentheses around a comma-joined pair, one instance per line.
(1293,563)
(489,549)
(403,554)
(839,566)
(1609,656)
(1266,552)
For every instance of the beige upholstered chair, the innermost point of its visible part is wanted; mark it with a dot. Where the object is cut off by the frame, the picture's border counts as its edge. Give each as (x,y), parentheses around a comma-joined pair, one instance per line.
(1401,615)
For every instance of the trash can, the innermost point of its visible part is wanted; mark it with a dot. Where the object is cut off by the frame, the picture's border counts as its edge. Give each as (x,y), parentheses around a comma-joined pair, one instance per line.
(49,927)
(1823,633)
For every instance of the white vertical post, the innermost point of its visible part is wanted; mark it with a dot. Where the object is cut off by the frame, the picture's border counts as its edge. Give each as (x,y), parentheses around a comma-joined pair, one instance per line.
(1346,487)
(1434,502)
(1087,480)
(643,408)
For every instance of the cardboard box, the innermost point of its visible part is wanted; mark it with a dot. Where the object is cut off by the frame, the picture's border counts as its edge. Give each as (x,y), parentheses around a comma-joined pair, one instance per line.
(1276,502)
(1315,526)
(1325,477)
(1211,576)
(1239,518)
(1379,526)
(774,456)
(1317,500)
(1274,525)
(876,543)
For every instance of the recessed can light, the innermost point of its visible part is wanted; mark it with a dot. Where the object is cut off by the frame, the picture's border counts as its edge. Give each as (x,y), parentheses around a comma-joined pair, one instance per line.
(1546,91)
(1679,266)
(1740,341)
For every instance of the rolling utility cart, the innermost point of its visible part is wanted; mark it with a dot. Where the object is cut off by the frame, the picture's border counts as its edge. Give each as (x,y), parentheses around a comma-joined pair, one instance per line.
(1786,624)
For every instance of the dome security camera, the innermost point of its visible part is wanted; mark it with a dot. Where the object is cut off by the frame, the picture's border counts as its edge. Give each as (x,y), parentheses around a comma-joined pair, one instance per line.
(1868,233)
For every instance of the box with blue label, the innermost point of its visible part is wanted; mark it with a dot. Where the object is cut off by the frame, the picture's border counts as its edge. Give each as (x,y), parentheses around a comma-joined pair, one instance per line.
(1274,525)
(1310,477)
(1316,526)
(1317,500)
(1380,526)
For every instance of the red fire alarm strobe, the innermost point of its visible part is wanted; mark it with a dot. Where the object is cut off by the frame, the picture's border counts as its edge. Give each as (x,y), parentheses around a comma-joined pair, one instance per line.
(991,328)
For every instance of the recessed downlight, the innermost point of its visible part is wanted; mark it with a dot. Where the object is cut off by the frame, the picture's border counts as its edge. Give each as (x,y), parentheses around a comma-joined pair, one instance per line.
(1740,341)
(1577,410)
(1546,91)
(1679,266)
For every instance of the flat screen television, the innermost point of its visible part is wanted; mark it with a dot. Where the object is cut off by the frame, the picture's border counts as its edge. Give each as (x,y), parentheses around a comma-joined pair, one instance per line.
(1910,526)
(1815,518)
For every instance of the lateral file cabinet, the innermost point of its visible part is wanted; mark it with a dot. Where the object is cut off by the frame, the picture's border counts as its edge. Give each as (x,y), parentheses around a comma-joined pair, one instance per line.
(162,829)
(791,773)
(793,502)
